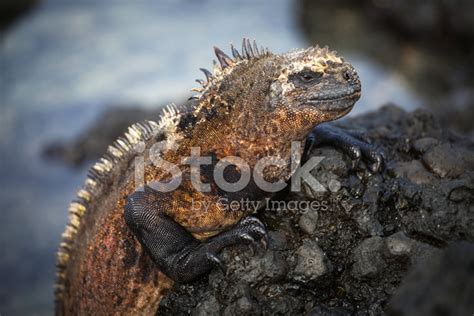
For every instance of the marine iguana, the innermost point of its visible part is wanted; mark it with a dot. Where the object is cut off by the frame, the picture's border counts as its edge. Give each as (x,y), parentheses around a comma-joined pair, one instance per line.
(127,242)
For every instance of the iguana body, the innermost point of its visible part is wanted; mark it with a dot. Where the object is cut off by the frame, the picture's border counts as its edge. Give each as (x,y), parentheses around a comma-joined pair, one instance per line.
(123,233)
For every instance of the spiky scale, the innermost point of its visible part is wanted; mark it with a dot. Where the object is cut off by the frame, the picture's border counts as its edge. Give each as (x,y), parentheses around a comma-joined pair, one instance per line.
(123,144)
(132,135)
(62,258)
(207,73)
(142,129)
(77,208)
(74,220)
(245,51)
(90,183)
(255,48)
(65,245)
(60,276)
(107,163)
(235,52)
(136,131)
(224,60)
(130,138)
(249,48)
(172,110)
(114,151)
(68,233)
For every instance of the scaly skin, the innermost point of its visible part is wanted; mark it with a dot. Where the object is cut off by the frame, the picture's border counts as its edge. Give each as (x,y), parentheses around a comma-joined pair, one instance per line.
(126,243)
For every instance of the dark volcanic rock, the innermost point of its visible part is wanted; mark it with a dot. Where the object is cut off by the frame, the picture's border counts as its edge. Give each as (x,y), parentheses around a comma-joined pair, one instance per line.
(443,285)
(350,252)
(368,261)
(448,161)
(312,262)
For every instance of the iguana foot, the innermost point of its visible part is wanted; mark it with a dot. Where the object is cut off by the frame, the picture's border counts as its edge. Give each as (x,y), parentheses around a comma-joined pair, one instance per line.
(175,250)
(348,142)
(248,231)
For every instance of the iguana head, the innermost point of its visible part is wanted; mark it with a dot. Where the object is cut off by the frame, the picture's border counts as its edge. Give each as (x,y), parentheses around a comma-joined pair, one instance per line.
(315,80)
(295,90)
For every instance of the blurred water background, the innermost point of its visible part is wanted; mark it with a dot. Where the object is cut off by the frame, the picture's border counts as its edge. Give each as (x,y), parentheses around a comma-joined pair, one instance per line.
(63,63)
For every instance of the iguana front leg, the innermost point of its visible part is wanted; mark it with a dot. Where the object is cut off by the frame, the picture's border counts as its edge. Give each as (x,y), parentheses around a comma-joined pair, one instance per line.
(176,252)
(355,148)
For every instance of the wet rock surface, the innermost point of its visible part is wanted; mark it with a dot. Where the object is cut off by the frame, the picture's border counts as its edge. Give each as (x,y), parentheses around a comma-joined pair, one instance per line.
(350,251)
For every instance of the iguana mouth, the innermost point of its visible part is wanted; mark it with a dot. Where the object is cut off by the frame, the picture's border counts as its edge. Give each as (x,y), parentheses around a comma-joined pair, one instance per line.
(336,104)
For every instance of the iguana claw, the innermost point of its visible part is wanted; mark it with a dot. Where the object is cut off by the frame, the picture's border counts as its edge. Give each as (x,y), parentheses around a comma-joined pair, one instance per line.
(350,144)
(216,261)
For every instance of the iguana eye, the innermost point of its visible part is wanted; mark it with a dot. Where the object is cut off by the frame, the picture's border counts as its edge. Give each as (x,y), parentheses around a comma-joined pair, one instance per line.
(309,76)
